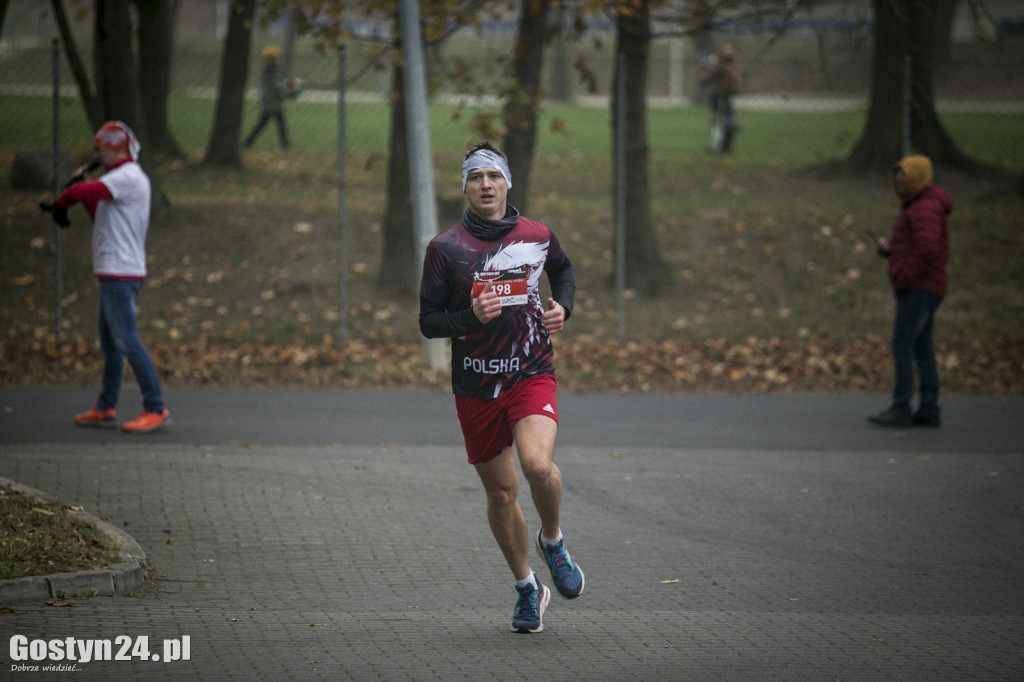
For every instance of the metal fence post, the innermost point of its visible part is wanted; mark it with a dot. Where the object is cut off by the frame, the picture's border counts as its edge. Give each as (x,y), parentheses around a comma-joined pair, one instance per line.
(342,205)
(620,198)
(908,94)
(58,267)
(420,171)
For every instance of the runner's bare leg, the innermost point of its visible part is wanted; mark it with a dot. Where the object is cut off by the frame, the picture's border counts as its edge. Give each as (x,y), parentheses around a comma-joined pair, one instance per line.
(535,441)
(501,483)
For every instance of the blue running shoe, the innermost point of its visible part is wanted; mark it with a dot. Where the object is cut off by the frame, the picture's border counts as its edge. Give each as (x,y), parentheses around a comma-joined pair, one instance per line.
(529,613)
(566,575)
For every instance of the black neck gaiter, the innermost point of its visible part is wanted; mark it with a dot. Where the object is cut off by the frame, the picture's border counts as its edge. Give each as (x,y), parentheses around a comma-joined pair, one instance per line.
(489,230)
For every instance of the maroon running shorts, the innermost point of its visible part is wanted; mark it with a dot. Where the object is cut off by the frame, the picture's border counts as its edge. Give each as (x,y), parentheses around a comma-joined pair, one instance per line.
(487,422)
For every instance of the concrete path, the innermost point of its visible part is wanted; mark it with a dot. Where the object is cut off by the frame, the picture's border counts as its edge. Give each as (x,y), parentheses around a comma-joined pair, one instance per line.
(339,535)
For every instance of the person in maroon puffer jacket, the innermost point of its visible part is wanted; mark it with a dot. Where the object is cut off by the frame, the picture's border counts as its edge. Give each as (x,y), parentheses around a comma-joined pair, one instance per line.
(917,251)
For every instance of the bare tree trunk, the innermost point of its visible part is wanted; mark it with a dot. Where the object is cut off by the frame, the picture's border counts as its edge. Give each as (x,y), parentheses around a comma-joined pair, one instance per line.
(156,44)
(222,149)
(944,31)
(904,27)
(645,269)
(520,113)
(397,276)
(117,93)
(116,74)
(85,92)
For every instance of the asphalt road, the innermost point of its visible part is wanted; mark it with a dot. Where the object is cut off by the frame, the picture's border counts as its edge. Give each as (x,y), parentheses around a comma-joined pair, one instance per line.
(339,535)
(305,417)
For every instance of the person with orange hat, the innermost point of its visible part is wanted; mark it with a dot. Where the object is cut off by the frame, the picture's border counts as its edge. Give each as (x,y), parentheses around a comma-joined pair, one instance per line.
(917,251)
(118,203)
(272,94)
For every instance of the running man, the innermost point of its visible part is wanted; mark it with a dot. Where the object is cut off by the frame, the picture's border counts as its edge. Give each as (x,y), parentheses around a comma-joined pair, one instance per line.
(480,289)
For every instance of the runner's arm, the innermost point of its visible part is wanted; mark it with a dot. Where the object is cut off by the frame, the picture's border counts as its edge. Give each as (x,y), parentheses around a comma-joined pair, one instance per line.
(560,276)
(436,322)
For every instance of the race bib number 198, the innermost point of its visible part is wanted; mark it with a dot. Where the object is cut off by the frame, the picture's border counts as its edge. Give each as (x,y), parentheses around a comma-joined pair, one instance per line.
(510,285)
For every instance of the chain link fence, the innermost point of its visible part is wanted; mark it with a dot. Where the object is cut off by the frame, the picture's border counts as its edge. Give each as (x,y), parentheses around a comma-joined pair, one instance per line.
(821,63)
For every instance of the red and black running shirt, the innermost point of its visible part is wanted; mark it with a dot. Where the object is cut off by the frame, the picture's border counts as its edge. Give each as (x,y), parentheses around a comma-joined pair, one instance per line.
(488,359)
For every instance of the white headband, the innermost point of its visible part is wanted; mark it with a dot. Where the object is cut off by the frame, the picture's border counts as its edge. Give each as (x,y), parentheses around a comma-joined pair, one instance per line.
(484,158)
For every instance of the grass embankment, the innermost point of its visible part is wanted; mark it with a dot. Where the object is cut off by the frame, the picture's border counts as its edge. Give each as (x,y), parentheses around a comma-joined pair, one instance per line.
(39,537)
(774,282)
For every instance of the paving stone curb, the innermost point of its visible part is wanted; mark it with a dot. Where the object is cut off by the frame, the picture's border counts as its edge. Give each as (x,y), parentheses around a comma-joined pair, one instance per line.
(121,579)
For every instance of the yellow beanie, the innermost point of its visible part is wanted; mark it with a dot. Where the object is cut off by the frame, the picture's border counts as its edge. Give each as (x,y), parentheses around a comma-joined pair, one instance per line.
(918,171)
(271,53)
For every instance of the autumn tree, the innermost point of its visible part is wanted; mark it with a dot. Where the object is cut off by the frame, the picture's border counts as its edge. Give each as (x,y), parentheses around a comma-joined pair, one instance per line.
(523,95)
(397,227)
(398,240)
(85,91)
(222,149)
(156,43)
(440,18)
(646,271)
(115,63)
(115,68)
(904,29)
(128,88)
(118,93)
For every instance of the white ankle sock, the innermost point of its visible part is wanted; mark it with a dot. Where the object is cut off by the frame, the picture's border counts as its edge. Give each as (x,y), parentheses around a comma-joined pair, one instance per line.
(549,543)
(528,580)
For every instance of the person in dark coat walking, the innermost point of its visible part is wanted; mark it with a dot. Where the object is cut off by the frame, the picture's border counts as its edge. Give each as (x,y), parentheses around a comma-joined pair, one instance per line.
(272,94)
(725,77)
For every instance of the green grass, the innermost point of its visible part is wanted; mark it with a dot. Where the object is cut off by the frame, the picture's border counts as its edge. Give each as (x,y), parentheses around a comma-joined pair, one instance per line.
(757,244)
(40,537)
(772,142)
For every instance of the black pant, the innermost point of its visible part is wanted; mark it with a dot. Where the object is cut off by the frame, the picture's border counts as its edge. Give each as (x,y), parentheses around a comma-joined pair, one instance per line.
(282,132)
(912,348)
(721,111)
(721,103)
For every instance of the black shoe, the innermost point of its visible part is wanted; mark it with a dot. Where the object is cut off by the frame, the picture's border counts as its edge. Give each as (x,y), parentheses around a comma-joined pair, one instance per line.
(922,418)
(894,416)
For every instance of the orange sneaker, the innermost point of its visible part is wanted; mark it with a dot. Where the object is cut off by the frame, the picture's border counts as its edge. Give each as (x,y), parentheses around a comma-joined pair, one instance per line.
(147,421)
(106,419)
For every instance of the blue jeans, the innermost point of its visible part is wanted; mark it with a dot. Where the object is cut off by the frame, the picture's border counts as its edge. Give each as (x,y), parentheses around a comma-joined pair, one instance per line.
(119,339)
(912,346)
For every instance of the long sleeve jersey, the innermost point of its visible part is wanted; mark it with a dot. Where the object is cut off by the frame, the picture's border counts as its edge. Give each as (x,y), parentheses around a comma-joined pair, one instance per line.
(487,359)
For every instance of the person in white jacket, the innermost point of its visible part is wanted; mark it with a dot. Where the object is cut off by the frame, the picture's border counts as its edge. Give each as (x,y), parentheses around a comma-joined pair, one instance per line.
(119,204)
